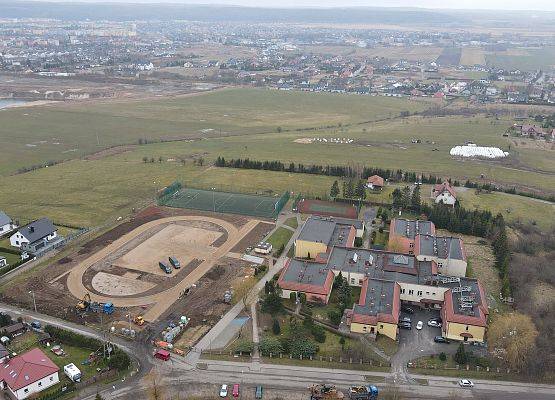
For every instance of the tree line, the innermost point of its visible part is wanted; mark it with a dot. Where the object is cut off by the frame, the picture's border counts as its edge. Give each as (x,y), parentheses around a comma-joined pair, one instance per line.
(347,171)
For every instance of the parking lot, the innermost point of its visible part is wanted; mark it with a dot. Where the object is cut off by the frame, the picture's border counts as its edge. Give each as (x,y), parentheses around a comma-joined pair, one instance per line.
(416,343)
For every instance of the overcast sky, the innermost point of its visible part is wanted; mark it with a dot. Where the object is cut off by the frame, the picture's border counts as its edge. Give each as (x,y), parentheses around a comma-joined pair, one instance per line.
(459,4)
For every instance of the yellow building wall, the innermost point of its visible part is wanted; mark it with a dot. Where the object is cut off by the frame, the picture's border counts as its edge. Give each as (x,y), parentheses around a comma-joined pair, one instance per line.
(389,330)
(304,248)
(454,331)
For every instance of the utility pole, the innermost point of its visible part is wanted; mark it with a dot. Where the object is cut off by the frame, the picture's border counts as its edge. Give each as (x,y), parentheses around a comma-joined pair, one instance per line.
(34,300)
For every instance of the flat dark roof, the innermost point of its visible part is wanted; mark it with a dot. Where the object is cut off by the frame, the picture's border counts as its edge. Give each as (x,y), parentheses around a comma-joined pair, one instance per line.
(411,228)
(306,272)
(378,299)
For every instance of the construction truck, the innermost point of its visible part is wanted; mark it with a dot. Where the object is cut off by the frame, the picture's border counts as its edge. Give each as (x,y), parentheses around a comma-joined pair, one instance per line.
(369,392)
(325,392)
(139,320)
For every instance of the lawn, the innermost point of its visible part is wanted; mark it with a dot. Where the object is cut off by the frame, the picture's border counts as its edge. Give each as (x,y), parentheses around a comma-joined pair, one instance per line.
(64,131)
(10,258)
(280,238)
(292,222)
(74,355)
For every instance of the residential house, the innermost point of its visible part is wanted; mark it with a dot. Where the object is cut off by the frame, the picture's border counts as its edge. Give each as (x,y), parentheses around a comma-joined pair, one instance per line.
(444,193)
(37,236)
(375,182)
(6,224)
(29,373)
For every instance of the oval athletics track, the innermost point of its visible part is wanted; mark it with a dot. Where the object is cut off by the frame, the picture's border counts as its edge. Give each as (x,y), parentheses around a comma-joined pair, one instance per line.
(159,301)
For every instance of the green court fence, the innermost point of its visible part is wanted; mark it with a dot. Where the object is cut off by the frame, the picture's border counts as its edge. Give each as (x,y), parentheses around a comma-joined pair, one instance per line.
(224,202)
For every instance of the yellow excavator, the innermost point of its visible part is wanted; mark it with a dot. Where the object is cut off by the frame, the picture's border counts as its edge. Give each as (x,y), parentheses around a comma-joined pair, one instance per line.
(84,304)
(139,320)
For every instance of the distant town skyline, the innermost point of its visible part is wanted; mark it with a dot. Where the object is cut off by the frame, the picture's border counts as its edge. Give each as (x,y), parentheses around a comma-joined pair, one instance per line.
(540,5)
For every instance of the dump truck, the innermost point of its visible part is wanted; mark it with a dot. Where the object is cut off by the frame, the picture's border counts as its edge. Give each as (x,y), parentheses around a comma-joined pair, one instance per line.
(369,392)
(325,392)
(174,262)
(165,267)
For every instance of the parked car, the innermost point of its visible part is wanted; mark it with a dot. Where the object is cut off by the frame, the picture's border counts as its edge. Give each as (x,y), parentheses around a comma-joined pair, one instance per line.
(235,391)
(419,325)
(407,309)
(405,325)
(258,392)
(438,319)
(406,319)
(466,383)
(480,344)
(434,323)
(441,339)
(223,390)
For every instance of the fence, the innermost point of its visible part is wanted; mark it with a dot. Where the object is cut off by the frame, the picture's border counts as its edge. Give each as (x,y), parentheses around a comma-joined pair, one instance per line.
(225,202)
(315,359)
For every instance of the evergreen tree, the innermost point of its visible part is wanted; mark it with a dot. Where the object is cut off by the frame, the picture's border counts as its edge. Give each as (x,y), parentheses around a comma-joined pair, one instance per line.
(334,191)
(406,197)
(397,198)
(460,356)
(276,328)
(360,190)
(415,198)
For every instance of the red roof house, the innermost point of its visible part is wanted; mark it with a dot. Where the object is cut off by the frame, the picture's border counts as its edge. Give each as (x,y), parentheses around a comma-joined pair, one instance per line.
(375,182)
(28,373)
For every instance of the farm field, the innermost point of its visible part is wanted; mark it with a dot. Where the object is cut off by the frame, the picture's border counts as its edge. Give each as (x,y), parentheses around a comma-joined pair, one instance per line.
(36,135)
(523,59)
(472,56)
(88,192)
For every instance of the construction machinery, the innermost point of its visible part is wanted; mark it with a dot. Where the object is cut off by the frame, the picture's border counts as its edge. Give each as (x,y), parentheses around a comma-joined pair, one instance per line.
(86,304)
(325,392)
(139,320)
(369,392)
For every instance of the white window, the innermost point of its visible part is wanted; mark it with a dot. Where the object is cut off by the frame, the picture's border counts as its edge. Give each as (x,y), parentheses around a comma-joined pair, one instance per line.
(427,293)
(51,378)
(440,265)
(419,293)
(352,281)
(40,383)
(411,292)
(402,291)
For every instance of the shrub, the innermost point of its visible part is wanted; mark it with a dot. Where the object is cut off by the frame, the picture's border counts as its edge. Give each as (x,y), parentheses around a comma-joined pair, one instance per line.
(334,317)
(276,329)
(460,356)
(442,356)
(270,345)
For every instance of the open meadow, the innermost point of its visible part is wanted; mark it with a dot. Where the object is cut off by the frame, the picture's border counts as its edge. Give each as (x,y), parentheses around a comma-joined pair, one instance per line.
(35,135)
(91,190)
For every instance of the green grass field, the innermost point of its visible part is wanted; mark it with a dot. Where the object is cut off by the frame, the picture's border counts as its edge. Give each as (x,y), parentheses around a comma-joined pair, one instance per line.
(527,59)
(88,192)
(280,238)
(35,135)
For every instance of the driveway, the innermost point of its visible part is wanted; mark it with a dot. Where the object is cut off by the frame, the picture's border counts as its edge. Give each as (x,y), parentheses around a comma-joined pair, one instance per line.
(414,343)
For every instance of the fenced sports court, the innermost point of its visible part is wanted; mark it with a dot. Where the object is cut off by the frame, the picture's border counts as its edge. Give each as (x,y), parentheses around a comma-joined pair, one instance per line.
(223,202)
(327,209)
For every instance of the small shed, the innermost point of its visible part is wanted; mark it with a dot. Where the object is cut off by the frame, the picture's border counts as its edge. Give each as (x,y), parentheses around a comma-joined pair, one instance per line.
(44,338)
(15,330)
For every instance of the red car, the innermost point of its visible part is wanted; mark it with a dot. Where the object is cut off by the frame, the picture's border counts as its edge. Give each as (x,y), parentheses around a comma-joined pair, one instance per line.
(235,392)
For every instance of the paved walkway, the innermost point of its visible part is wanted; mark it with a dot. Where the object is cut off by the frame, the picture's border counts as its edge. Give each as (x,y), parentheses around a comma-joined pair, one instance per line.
(194,356)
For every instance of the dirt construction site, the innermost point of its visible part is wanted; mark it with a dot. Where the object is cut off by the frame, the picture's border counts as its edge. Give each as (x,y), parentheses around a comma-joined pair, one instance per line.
(121,266)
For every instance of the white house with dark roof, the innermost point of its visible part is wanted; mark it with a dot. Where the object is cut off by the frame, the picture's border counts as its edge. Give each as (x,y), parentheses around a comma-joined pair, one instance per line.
(6,224)
(35,236)
(27,374)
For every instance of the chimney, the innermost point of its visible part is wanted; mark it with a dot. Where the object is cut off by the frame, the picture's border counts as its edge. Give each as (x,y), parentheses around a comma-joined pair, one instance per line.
(31,229)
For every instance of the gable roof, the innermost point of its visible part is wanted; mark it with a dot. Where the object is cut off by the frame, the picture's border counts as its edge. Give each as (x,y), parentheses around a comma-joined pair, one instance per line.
(444,187)
(38,229)
(375,180)
(23,370)
(4,219)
